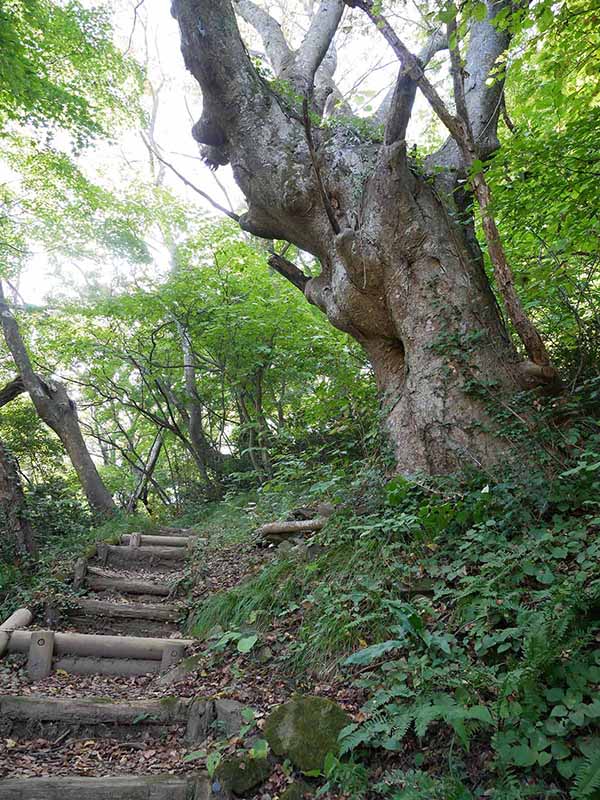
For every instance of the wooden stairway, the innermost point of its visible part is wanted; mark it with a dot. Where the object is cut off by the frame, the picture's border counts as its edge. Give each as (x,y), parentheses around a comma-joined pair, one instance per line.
(106,632)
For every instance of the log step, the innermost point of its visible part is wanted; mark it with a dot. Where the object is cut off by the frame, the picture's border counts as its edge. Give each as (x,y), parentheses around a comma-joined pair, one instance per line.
(161,541)
(106,608)
(118,555)
(127,667)
(165,530)
(144,787)
(98,580)
(21,618)
(92,711)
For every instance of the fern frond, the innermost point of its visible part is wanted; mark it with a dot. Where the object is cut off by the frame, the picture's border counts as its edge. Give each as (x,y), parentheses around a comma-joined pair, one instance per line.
(587,778)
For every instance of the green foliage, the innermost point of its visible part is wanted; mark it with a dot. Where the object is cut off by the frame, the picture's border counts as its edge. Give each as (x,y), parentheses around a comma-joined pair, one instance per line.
(60,67)
(466,609)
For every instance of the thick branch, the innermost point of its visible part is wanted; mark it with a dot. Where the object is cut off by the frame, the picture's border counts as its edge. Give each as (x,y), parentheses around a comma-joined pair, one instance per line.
(462,132)
(12,390)
(318,38)
(400,105)
(214,53)
(289,271)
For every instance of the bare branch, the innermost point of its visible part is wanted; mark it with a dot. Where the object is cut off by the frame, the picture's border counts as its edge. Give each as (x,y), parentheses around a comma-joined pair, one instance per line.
(191,185)
(276,47)
(412,68)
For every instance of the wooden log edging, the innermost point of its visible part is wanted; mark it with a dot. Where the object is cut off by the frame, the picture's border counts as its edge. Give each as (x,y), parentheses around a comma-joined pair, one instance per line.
(99,645)
(20,618)
(120,554)
(88,665)
(142,787)
(165,530)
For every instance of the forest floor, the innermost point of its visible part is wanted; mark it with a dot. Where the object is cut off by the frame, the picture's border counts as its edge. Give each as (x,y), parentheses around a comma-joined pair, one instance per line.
(256,679)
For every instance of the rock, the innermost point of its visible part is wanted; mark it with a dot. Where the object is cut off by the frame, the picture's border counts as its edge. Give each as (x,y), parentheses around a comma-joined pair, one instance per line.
(308,552)
(296,791)
(325,509)
(265,654)
(201,715)
(285,547)
(228,714)
(187,667)
(305,729)
(240,774)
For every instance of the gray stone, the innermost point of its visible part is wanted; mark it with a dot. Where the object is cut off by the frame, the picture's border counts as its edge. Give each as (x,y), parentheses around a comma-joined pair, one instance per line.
(228,714)
(201,716)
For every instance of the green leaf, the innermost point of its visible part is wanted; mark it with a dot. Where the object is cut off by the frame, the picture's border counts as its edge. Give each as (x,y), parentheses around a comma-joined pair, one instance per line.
(246,643)
(373,652)
(212,762)
(523,756)
(194,755)
(260,749)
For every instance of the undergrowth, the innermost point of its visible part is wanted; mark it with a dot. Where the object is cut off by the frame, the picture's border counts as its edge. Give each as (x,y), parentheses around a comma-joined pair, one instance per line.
(64,530)
(468,610)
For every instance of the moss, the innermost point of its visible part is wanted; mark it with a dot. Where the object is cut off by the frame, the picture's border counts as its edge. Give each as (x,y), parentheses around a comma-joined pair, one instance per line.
(169,700)
(296,791)
(305,729)
(240,774)
(191,661)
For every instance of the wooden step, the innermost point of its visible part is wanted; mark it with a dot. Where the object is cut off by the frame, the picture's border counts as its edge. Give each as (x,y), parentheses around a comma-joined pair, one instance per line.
(95,654)
(118,555)
(166,530)
(138,787)
(107,608)
(99,580)
(91,711)
(161,541)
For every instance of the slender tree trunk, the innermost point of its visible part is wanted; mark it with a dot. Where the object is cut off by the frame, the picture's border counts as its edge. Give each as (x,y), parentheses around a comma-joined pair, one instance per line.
(144,475)
(58,411)
(12,505)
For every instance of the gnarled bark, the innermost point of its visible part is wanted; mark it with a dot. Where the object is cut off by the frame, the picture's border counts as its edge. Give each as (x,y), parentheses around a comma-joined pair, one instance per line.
(401,271)
(12,505)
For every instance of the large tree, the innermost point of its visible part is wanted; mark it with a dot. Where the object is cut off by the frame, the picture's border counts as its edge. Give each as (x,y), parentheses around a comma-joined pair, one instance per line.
(401,269)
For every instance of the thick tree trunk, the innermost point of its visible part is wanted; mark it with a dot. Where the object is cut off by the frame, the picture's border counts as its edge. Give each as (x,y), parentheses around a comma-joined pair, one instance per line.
(416,297)
(58,411)
(12,505)
(401,271)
